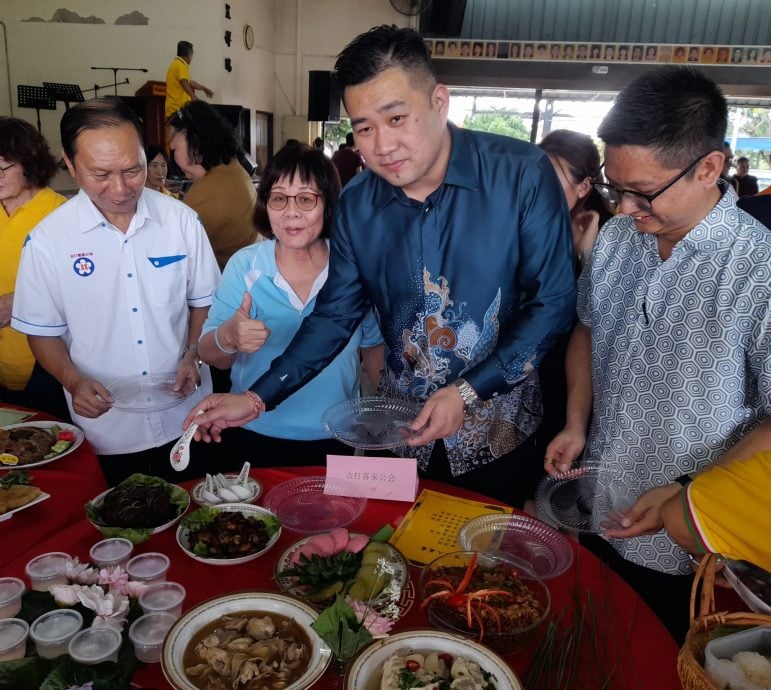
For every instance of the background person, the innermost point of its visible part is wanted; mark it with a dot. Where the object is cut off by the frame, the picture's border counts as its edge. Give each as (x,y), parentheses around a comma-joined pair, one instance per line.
(157,168)
(206,149)
(577,163)
(180,88)
(115,283)
(746,184)
(348,160)
(469,269)
(267,291)
(673,376)
(26,169)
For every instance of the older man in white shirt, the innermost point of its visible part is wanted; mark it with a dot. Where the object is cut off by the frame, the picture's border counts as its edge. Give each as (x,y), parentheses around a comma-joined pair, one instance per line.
(117,282)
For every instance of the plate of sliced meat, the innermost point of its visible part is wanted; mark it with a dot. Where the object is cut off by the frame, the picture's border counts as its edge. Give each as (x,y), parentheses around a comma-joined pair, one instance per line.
(32,444)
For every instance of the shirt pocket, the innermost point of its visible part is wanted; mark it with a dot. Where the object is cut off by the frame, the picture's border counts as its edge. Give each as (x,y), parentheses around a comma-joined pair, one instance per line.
(167,279)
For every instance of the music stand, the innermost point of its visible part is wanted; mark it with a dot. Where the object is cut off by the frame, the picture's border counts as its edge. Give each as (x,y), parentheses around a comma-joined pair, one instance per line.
(36,97)
(68,93)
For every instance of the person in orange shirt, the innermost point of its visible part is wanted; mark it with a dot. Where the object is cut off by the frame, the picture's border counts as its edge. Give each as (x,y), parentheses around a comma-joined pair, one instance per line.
(26,168)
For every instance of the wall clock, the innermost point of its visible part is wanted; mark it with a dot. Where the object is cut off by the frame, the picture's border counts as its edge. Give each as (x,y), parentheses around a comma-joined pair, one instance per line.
(248,37)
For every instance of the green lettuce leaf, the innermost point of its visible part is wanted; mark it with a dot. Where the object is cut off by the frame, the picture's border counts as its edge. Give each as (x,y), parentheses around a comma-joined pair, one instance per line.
(199,518)
(338,627)
(136,535)
(272,524)
(29,672)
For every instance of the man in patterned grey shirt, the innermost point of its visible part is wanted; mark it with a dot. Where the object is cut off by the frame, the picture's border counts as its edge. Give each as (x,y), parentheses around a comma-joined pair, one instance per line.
(672,354)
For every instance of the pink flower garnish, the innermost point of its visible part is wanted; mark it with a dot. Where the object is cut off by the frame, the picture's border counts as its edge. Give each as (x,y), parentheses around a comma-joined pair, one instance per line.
(111,609)
(81,573)
(115,578)
(378,626)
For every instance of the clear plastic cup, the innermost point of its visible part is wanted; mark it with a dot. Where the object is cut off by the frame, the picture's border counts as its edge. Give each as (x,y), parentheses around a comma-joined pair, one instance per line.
(109,553)
(95,645)
(147,634)
(53,631)
(11,591)
(164,597)
(48,569)
(148,567)
(13,638)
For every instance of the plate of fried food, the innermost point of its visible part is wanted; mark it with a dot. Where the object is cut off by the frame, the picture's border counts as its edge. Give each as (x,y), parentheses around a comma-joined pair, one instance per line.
(16,493)
(32,444)
(228,534)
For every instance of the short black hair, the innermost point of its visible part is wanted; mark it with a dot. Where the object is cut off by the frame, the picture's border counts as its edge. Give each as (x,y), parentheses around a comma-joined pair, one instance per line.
(743,159)
(312,166)
(379,49)
(577,149)
(152,150)
(210,137)
(677,112)
(349,139)
(98,113)
(184,48)
(22,144)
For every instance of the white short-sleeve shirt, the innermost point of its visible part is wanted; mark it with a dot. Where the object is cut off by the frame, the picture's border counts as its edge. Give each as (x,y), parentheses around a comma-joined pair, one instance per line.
(119,301)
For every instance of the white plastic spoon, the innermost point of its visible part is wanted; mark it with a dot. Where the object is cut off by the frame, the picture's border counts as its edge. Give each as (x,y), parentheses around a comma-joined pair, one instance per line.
(180,453)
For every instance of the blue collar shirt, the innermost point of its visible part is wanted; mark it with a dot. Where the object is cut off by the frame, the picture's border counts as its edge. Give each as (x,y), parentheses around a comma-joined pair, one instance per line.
(476,282)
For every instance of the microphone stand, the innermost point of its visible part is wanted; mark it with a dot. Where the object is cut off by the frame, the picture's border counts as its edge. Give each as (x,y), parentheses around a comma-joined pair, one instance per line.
(104,86)
(115,71)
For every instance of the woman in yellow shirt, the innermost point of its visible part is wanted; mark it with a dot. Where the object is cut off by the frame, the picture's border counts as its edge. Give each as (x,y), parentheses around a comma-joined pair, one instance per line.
(26,168)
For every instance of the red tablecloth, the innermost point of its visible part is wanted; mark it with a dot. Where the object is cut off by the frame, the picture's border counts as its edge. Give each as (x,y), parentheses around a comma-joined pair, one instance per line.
(71,481)
(650,653)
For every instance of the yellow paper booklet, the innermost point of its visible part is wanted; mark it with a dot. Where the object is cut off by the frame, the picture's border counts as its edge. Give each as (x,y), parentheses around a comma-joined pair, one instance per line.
(431,526)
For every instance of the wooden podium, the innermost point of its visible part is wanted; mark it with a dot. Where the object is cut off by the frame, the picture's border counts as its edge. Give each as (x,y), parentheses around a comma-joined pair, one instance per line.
(149,102)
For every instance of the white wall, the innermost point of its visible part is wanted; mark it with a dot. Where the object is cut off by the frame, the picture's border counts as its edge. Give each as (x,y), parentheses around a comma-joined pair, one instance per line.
(291,38)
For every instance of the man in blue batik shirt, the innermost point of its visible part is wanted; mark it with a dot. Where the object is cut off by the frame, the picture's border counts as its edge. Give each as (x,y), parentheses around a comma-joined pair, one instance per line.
(461,241)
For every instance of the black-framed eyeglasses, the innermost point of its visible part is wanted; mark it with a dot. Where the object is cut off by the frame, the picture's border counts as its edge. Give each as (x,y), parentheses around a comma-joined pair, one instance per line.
(643,202)
(305,201)
(7,167)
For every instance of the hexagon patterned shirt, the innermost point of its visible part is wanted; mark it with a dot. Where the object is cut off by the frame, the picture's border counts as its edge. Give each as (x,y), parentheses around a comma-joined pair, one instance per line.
(681,354)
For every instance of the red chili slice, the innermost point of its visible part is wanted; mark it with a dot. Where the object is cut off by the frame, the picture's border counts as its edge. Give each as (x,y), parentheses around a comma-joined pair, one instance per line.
(412,665)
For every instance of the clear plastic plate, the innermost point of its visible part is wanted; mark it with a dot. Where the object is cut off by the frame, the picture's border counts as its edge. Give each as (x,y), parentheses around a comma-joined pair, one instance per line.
(548,553)
(302,506)
(589,498)
(371,423)
(150,393)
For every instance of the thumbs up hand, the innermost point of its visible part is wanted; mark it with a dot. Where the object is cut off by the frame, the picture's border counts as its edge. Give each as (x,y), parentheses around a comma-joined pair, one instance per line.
(241,331)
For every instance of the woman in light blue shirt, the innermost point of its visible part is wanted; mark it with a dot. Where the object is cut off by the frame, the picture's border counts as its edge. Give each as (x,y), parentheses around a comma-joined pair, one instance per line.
(267,290)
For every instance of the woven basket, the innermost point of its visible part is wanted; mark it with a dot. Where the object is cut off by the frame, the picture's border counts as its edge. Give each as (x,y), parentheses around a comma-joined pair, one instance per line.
(690,660)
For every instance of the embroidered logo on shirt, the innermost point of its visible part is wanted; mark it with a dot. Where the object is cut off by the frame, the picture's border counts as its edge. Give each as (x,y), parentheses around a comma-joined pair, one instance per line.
(83,267)
(161,261)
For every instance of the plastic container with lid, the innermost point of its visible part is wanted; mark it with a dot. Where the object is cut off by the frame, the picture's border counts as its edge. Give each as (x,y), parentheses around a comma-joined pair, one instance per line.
(48,569)
(95,645)
(109,553)
(147,634)
(53,631)
(148,567)
(163,597)
(13,638)
(11,591)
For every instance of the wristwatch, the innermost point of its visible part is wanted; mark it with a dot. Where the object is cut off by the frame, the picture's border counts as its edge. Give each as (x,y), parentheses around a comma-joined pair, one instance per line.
(472,403)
